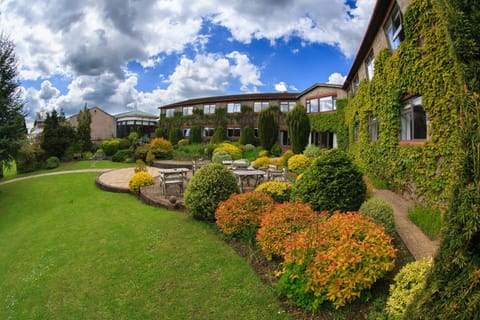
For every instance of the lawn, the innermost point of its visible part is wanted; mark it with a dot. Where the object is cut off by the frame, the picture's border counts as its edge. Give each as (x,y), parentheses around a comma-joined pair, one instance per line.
(71,250)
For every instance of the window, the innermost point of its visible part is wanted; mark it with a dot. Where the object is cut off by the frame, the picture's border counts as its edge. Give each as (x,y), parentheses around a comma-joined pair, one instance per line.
(186,132)
(187,111)
(370,65)
(393,28)
(373,127)
(324,139)
(413,121)
(356,83)
(286,106)
(169,113)
(233,107)
(209,109)
(233,132)
(208,132)
(259,106)
(323,104)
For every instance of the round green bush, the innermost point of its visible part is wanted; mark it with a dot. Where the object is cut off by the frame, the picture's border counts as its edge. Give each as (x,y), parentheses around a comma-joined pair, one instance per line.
(276,150)
(220,156)
(141,152)
(123,144)
(121,155)
(382,212)
(407,283)
(110,146)
(211,184)
(332,182)
(312,151)
(52,163)
(298,163)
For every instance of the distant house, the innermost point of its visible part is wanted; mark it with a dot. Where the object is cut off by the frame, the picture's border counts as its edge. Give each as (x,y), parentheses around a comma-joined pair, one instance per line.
(103,124)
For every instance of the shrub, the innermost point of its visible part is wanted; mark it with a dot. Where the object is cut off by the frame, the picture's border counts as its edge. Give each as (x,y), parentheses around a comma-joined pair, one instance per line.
(140,166)
(123,144)
(285,220)
(141,152)
(87,155)
(381,212)
(298,124)
(99,154)
(182,143)
(161,148)
(139,180)
(267,123)
(407,283)
(121,155)
(175,135)
(298,163)
(335,260)
(219,135)
(195,135)
(276,150)
(263,153)
(221,156)
(211,184)
(52,162)
(241,214)
(285,157)
(279,190)
(261,162)
(331,183)
(249,147)
(26,158)
(235,152)
(312,151)
(110,146)
(150,157)
(247,136)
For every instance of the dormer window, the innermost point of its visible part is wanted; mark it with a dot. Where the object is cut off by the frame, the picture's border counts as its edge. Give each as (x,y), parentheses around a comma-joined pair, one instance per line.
(394,29)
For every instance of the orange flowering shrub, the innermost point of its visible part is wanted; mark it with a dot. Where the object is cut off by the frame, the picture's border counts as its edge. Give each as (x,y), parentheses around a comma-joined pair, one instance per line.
(161,148)
(335,260)
(282,222)
(240,214)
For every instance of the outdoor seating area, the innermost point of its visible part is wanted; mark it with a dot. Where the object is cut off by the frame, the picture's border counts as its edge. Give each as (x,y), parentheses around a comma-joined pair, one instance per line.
(173,177)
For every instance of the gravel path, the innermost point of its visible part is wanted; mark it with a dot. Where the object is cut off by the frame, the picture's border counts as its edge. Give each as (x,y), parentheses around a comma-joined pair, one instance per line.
(419,245)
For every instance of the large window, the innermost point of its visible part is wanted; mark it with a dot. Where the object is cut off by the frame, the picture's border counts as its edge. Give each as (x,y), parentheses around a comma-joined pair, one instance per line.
(169,113)
(209,109)
(286,106)
(233,107)
(259,106)
(323,104)
(413,121)
(187,111)
(208,132)
(394,29)
(233,132)
(373,127)
(370,65)
(325,139)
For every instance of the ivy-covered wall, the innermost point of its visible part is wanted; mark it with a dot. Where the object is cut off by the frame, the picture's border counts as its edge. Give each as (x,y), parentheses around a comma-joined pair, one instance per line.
(422,65)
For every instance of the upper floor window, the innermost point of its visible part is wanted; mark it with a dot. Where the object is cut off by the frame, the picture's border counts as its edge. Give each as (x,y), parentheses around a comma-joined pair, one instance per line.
(209,109)
(286,106)
(323,104)
(187,111)
(233,107)
(259,106)
(413,121)
(169,113)
(373,127)
(370,65)
(394,29)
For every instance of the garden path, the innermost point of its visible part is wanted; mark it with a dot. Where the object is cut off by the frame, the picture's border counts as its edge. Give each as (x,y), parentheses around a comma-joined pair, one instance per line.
(419,245)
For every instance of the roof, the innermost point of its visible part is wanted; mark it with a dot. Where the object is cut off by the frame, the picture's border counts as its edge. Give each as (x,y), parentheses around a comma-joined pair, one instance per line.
(136,113)
(380,10)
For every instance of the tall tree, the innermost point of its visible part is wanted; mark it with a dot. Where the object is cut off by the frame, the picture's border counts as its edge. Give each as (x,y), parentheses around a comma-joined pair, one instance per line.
(12,120)
(268,127)
(58,135)
(83,130)
(298,128)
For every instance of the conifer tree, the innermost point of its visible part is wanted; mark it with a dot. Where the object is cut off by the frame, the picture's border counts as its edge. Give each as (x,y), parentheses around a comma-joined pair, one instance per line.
(268,127)
(298,128)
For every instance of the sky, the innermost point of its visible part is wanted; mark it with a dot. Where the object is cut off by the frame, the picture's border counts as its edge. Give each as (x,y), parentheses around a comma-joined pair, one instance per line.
(122,55)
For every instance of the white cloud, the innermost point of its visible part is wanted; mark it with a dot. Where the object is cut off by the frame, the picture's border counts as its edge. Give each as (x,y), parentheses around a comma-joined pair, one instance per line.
(336,78)
(248,73)
(281,87)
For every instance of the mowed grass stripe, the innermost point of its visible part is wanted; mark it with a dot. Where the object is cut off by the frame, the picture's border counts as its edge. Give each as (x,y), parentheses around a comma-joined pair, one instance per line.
(71,250)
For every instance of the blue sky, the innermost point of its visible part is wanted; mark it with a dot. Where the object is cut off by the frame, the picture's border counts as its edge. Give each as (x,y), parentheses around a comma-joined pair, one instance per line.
(141,54)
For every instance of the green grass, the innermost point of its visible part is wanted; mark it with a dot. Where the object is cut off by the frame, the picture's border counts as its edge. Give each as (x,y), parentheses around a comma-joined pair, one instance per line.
(427,219)
(71,251)
(75,165)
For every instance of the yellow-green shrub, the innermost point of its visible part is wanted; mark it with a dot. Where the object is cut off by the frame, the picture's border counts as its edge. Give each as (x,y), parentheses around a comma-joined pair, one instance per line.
(240,214)
(140,166)
(261,162)
(278,190)
(281,223)
(139,179)
(408,281)
(161,148)
(233,151)
(298,163)
(263,153)
(335,260)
